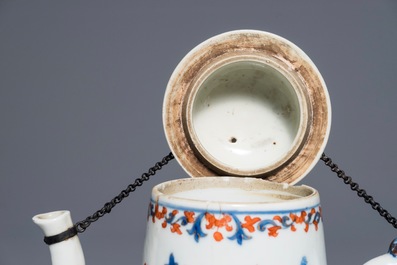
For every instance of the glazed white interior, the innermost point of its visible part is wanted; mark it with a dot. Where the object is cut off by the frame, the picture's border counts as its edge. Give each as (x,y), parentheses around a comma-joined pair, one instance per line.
(231,190)
(50,216)
(236,195)
(246,117)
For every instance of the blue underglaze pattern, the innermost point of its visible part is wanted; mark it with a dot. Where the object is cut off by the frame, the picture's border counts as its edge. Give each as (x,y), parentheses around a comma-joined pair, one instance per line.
(232,225)
(393,248)
(173,262)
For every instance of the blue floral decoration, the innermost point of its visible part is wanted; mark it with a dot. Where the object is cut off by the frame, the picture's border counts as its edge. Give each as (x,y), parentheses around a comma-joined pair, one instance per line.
(172,260)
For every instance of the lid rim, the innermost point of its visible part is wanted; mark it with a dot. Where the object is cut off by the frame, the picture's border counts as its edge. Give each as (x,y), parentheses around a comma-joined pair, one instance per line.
(319,113)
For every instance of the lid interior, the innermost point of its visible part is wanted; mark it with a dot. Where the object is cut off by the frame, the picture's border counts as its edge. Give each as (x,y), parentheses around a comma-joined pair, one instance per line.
(245,118)
(247,103)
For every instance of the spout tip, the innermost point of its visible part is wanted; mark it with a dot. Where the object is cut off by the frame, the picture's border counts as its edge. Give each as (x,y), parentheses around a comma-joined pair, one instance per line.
(53,223)
(50,216)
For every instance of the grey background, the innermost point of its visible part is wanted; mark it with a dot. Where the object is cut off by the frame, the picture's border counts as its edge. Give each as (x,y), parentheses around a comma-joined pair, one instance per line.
(81,91)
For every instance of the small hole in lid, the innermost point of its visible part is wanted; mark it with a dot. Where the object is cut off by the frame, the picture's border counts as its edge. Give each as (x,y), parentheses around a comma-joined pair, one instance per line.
(233,140)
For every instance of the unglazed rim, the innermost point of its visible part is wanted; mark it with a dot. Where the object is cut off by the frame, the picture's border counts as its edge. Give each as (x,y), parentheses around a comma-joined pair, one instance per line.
(242,44)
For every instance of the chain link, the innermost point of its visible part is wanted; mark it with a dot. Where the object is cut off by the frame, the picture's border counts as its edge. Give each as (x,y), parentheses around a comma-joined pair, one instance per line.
(360,192)
(82,225)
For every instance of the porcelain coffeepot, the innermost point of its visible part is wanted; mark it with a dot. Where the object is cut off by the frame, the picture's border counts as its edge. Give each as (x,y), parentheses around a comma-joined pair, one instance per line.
(247,115)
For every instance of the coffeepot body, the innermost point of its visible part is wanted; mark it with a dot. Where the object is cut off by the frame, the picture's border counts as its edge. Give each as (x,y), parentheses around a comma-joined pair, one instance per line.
(226,220)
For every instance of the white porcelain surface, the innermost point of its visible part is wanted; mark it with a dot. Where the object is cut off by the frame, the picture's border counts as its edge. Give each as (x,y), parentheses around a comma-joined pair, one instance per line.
(246,116)
(68,252)
(223,220)
(385,259)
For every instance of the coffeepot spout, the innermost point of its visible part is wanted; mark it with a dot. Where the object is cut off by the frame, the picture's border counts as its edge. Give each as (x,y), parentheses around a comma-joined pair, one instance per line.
(61,236)
(390,258)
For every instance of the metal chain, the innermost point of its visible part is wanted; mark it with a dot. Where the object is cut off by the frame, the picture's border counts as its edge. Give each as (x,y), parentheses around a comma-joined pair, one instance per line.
(360,192)
(82,225)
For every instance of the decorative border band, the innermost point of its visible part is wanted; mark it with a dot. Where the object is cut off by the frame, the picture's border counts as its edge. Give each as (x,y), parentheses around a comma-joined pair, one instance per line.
(239,226)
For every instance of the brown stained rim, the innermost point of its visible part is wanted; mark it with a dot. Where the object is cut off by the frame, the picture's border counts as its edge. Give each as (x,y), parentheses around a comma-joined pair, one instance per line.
(243,44)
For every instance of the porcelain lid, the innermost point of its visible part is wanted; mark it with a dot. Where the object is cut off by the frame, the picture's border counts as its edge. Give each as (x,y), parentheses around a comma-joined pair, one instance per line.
(247,103)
